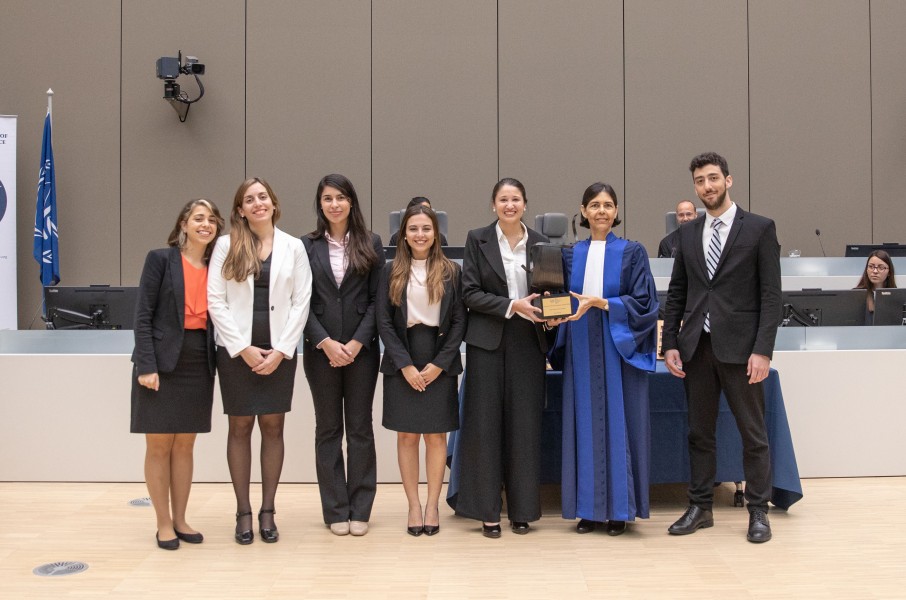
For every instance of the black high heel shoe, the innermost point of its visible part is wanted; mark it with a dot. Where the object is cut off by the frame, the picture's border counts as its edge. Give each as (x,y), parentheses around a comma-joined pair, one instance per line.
(267,535)
(432,529)
(246,537)
(416,531)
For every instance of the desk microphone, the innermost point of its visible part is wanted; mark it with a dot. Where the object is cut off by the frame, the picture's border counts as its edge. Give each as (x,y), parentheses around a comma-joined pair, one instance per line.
(818,233)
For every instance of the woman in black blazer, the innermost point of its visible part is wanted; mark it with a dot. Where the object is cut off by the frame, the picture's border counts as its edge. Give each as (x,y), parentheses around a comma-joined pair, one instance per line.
(341,354)
(500,434)
(173,376)
(421,319)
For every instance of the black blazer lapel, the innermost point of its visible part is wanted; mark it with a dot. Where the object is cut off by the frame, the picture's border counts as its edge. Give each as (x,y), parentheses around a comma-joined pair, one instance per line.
(731,239)
(178,282)
(490,247)
(699,228)
(323,257)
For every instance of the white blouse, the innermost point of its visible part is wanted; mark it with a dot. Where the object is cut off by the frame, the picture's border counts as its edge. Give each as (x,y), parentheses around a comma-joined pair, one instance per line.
(419,311)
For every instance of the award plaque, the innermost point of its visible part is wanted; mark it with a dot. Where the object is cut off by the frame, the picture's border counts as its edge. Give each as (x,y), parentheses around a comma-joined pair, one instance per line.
(547,278)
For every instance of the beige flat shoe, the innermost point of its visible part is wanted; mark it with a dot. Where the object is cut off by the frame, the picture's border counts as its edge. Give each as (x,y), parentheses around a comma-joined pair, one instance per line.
(341,528)
(358,527)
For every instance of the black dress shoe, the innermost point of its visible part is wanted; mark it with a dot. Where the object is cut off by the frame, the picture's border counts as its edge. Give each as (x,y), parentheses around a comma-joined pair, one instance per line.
(490,531)
(268,536)
(693,519)
(190,538)
(431,529)
(167,544)
(416,531)
(246,537)
(520,527)
(586,526)
(759,527)
(615,527)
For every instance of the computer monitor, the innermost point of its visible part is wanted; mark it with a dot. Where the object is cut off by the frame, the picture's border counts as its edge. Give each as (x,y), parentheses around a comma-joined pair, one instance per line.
(93,307)
(864,250)
(890,306)
(816,308)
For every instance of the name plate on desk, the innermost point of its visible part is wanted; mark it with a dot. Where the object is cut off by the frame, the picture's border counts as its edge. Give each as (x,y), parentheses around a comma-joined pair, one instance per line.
(554,306)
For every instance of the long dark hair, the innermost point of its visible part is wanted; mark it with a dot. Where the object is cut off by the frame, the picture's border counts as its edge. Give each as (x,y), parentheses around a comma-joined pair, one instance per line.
(891,281)
(440,268)
(360,252)
(174,237)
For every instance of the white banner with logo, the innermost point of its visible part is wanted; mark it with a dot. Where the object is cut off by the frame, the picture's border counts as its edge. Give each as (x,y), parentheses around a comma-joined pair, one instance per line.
(8,314)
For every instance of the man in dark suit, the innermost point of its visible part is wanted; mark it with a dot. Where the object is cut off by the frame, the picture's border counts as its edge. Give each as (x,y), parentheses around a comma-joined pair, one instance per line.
(685,212)
(723,309)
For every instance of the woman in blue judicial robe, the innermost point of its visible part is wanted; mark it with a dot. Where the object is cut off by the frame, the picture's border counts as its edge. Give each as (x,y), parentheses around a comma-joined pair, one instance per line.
(607,347)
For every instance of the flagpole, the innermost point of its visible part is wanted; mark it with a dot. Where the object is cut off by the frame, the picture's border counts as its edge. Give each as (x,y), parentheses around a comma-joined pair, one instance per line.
(50,103)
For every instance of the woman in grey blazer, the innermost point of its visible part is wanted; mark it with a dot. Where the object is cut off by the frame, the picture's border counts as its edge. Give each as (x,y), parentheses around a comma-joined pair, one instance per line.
(173,377)
(340,354)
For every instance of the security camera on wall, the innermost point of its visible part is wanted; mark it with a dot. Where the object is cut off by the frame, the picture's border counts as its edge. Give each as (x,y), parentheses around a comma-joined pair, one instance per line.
(169,69)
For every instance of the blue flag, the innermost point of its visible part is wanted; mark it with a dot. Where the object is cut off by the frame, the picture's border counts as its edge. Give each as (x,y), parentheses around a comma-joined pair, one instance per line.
(46,250)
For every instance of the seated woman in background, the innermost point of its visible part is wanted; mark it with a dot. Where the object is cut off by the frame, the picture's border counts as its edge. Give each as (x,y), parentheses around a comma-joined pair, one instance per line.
(878,273)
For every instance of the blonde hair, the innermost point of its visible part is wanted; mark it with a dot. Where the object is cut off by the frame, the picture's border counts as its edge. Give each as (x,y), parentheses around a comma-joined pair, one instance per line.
(242,259)
(175,238)
(440,268)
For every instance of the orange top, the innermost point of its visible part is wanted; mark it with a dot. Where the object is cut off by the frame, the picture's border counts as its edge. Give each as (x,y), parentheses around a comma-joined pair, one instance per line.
(196,282)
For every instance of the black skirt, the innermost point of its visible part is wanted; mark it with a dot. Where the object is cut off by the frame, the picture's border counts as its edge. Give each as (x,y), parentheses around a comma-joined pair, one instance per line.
(183,402)
(246,393)
(436,410)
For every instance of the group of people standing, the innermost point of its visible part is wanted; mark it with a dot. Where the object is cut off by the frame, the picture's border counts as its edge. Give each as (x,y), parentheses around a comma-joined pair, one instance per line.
(243,302)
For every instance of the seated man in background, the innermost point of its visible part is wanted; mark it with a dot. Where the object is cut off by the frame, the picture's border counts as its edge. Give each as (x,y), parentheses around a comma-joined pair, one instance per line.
(685,212)
(394,235)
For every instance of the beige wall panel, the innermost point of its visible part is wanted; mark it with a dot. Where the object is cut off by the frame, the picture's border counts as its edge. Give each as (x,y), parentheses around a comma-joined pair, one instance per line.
(435,109)
(164,162)
(309,100)
(686,93)
(44,44)
(561,100)
(811,121)
(888,112)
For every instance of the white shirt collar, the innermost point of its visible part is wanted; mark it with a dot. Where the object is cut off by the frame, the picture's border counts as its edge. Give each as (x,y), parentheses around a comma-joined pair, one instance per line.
(501,237)
(726,219)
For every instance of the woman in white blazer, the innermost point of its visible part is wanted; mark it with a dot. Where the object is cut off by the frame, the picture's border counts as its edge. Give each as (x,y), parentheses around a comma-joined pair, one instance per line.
(259,289)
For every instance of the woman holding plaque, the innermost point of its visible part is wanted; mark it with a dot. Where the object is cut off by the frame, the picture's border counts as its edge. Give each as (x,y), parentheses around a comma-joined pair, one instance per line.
(421,319)
(500,434)
(173,377)
(608,345)
(258,292)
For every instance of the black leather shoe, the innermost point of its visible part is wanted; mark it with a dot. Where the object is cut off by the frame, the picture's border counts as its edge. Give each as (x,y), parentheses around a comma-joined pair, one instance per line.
(759,527)
(519,527)
(490,531)
(417,530)
(268,536)
(167,544)
(246,537)
(586,526)
(190,538)
(693,519)
(615,527)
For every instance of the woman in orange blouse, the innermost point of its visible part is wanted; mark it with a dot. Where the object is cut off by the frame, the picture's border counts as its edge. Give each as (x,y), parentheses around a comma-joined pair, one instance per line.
(173,376)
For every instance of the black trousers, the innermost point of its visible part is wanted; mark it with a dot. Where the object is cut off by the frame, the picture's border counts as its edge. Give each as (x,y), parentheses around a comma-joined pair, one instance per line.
(705,377)
(501,427)
(344,396)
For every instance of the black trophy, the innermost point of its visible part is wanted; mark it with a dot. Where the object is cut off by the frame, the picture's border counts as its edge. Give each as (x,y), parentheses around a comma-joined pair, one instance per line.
(546,275)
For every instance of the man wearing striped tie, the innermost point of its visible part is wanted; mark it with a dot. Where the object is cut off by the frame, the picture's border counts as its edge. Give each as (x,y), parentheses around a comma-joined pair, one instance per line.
(722,312)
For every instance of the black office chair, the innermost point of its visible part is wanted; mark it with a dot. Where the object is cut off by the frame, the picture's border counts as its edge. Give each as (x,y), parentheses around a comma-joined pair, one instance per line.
(554,226)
